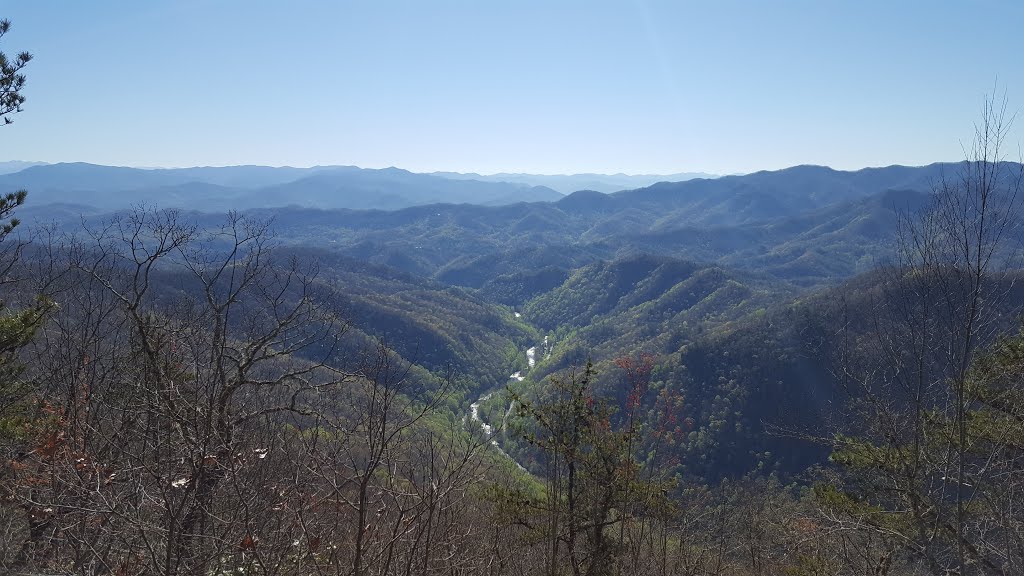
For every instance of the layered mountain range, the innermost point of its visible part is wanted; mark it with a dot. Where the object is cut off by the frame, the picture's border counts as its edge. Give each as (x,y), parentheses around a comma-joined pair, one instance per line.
(729,283)
(246,187)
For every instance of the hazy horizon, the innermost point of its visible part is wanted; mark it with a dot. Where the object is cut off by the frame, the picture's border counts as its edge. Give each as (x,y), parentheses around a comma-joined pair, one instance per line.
(29,163)
(697,172)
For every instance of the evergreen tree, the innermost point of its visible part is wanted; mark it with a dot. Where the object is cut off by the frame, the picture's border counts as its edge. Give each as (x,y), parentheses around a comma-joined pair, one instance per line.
(16,327)
(11,79)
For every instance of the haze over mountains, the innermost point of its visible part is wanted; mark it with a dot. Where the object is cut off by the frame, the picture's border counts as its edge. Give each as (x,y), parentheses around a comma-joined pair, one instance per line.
(678,200)
(242,187)
(805,225)
(568,183)
(16,165)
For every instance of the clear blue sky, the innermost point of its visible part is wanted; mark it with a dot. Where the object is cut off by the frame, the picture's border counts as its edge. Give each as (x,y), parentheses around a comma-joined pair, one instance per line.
(509,85)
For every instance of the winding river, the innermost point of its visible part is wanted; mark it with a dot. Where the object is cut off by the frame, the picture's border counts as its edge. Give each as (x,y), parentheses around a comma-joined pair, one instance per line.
(474,408)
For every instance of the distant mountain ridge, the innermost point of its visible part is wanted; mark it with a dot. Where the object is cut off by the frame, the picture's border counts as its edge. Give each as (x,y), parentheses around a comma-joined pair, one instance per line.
(250,187)
(16,166)
(80,176)
(694,201)
(806,225)
(568,183)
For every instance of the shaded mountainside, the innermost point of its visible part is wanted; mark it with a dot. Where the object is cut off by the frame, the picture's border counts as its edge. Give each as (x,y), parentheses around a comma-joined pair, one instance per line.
(754,363)
(756,385)
(643,303)
(676,311)
(427,323)
(435,330)
(651,290)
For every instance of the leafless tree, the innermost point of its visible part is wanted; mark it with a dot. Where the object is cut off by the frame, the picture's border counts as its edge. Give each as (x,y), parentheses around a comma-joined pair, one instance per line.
(908,365)
(164,363)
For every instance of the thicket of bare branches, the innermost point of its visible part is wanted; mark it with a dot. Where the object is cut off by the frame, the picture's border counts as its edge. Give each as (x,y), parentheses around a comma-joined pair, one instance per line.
(194,418)
(927,470)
